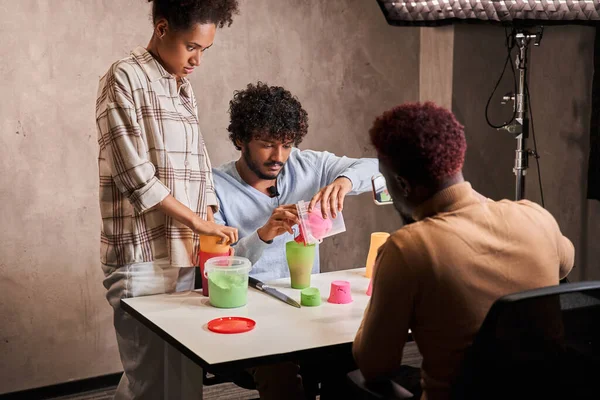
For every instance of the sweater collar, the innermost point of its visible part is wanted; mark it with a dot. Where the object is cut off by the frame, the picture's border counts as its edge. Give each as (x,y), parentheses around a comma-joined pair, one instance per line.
(450,199)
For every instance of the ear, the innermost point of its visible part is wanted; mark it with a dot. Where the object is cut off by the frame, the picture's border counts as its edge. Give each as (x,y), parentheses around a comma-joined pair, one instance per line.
(239,143)
(161,28)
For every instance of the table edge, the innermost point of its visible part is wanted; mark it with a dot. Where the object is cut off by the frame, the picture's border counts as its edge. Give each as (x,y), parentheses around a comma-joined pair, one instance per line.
(234,364)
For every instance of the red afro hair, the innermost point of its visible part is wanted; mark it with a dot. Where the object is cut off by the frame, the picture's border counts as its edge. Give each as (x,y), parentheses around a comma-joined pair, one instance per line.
(422,142)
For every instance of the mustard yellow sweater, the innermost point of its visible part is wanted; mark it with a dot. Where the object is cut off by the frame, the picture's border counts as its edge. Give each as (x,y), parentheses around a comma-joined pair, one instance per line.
(440,275)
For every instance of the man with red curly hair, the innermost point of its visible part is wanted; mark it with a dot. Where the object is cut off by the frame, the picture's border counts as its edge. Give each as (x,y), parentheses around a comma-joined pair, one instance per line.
(440,275)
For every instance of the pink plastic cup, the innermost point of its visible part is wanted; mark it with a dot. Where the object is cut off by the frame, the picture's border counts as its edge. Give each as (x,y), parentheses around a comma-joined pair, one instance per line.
(370,288)
(340,292)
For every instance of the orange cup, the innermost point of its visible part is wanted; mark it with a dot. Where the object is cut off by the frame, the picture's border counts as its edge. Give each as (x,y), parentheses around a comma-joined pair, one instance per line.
(377,240)
(209,248)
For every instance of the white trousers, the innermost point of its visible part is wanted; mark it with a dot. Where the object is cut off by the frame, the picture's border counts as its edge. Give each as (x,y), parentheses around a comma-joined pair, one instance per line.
(141,350)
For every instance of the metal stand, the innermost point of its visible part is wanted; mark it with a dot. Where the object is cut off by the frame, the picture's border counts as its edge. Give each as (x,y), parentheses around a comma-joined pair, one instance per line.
(520,126)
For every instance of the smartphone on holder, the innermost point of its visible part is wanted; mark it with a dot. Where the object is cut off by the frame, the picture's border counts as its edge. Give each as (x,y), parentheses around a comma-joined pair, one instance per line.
(381,196)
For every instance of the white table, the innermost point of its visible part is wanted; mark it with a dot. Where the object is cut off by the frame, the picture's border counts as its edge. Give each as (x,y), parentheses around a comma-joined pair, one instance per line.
(282,331)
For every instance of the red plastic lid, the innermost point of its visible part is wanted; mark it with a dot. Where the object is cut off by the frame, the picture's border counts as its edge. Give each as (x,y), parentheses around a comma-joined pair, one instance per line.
(231,325)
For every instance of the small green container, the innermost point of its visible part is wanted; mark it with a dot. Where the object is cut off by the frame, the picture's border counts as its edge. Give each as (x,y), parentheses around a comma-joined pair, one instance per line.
(310,297)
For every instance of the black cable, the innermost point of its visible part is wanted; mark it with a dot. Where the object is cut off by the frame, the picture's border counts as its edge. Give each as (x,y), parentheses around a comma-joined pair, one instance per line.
(535,150)
(537,156)
(510,44)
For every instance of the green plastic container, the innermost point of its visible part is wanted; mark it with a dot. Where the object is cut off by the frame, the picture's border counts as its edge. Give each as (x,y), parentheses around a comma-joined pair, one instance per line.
(227,281)
(300,259)
(310,297)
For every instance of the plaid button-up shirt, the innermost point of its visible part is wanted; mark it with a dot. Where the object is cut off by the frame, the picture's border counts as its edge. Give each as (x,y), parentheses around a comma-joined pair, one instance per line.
(150,146)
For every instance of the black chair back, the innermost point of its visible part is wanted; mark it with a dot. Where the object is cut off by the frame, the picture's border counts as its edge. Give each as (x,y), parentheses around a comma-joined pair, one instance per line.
(537,344)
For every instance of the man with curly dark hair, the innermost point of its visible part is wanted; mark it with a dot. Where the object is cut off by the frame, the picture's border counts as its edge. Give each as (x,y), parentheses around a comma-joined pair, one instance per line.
(156,189)
(440,275)
(258,192)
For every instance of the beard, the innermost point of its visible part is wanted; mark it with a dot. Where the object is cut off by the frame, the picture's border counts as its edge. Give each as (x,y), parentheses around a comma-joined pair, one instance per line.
(255,166)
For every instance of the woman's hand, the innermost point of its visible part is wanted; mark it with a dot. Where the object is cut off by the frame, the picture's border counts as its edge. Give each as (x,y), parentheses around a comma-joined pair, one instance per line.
(176,210)
(227,234)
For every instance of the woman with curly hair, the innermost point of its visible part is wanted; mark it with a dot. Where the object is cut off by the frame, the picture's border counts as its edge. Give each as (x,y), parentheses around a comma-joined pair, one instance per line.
(156,188)
(440,275)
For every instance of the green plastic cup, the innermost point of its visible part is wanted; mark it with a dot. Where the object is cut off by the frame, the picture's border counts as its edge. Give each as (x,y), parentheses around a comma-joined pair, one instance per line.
(310,297)
(300,259)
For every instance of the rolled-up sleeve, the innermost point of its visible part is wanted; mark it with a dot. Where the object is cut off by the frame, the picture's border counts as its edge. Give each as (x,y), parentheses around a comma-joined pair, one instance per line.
(126,152)
(133,173)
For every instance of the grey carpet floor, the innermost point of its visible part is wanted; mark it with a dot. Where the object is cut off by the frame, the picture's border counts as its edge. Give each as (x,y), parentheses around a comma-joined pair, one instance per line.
(229,391)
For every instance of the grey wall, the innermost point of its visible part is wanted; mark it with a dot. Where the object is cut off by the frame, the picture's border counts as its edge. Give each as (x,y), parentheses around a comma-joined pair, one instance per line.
(55,322)
(436,65)
(340,58)
(561,72)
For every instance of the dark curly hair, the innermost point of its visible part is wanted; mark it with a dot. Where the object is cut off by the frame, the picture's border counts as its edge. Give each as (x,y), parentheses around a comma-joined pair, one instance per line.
(422,142)
(266,110)
(183,14)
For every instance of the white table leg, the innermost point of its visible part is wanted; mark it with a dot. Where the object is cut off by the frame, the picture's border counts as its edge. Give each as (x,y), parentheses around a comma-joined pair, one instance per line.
(183,377)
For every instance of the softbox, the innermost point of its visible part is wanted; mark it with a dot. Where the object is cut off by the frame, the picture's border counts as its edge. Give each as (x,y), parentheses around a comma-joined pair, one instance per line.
(513,12)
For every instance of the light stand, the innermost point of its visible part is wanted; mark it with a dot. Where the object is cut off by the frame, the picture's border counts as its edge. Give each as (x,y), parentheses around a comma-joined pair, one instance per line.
(520,126)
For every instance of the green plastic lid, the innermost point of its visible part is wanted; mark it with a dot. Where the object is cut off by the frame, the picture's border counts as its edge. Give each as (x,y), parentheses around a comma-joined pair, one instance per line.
(310,297)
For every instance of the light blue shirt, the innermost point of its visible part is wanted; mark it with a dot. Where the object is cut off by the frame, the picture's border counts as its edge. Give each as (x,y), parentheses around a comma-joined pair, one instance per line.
(246,208)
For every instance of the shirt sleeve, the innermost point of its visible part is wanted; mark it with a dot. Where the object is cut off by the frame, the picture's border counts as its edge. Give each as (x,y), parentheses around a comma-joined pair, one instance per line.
(211,194)
(251,246)
(330,167)
(122,137)
(564,248)
(380,340)
(566,255)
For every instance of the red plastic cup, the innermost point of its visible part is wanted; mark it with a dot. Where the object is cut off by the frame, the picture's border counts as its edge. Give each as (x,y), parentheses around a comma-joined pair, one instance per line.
(340,292)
